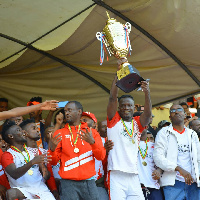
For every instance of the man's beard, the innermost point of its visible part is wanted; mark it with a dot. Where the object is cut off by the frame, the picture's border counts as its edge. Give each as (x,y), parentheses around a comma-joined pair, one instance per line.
(68,121)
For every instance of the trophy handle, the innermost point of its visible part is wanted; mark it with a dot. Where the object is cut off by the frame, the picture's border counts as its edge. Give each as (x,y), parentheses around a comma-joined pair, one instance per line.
(128,26)
(98,35)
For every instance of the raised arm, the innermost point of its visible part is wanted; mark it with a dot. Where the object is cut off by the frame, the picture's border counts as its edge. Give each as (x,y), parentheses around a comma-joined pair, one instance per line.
(48,119)
(47,105)
(112,104)
(145,116)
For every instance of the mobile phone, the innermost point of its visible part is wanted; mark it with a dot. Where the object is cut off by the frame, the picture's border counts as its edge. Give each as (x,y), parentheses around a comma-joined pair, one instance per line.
(62,104)
(141,108)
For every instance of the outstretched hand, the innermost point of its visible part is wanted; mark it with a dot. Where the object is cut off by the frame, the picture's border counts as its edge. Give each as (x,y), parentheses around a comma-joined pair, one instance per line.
(54,141)
(49,105)
(87,136)
(43,158)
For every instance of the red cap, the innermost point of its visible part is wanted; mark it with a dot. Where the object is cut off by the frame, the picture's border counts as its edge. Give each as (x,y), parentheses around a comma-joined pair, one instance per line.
(90,115)
(30,103)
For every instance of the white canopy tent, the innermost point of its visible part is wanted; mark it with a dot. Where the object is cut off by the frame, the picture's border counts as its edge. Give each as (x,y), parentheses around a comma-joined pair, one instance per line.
(49,49)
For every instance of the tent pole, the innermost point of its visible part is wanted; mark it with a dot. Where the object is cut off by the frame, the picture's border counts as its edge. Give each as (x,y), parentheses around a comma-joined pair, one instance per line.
(29,46)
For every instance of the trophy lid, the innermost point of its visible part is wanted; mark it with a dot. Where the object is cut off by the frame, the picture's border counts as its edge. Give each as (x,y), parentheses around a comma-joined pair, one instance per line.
(110,20)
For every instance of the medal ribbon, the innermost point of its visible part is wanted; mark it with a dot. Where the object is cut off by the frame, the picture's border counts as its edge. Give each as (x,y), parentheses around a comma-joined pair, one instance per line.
(76,140)
(130,134)
(145,153)
(28,155)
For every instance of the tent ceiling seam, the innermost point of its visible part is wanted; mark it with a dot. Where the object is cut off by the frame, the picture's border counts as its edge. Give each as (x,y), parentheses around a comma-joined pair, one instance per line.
(29,46)
(100,3)
(50,31)
(178,61)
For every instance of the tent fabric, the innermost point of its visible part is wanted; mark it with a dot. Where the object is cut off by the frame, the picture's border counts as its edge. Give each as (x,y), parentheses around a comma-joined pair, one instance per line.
(49,49)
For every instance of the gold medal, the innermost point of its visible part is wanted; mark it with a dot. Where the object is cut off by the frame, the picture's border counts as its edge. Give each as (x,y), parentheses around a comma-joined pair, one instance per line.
(30,172)
(133,141)
(144,163)
(76,150)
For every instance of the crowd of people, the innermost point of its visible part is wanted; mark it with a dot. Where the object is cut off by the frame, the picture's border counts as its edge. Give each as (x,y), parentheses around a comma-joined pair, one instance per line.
(70,156)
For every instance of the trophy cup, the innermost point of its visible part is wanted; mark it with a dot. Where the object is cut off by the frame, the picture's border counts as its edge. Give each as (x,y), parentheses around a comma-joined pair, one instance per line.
(115,37)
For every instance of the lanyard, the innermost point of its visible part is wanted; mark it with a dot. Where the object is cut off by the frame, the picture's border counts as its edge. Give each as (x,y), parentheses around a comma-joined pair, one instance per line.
(145,153)
(27,153)
(76,140)
(130,134)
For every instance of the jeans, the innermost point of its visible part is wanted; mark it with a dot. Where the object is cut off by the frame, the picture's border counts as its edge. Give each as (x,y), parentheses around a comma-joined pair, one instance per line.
(181,191)
(78,190)
(152,194)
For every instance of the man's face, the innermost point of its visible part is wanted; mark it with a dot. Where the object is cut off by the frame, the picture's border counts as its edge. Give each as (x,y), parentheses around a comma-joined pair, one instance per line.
(186,109)
(3,144)
(150,137)
(88,120)
(48,131)
(126,108)
(32,131)
(102,128)
(177,114)
(3,106)
(17,134)
(17,120)
(72,113)
(35,114)
(196,126)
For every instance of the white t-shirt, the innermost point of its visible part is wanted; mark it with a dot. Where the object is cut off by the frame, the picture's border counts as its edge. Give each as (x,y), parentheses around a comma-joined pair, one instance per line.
(55,168)
(123,156)
(145,172)
(34,180)
(184,159)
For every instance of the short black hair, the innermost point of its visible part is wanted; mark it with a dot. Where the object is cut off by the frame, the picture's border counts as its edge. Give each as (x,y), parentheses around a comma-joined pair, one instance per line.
(37,99)
(125,96)
(3,100)
(78,104)
(184,104)
(25,122)
(5,130)
(190,123)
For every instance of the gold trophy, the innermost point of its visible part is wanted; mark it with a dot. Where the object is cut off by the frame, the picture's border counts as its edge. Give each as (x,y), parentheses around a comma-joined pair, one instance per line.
(115,37)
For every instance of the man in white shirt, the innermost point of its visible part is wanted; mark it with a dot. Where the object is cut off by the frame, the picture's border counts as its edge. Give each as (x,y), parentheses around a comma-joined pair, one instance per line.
(177,153)
(125,131)
(22,166)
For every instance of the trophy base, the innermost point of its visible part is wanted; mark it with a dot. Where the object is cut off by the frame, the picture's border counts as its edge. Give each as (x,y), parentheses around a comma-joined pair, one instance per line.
(129,82)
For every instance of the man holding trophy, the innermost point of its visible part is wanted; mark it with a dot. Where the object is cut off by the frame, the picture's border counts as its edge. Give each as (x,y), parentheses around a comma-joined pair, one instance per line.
(122,128)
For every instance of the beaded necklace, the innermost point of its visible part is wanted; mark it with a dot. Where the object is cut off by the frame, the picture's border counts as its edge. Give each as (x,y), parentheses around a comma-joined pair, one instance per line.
(130,134)
(145,153)
(27,153)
